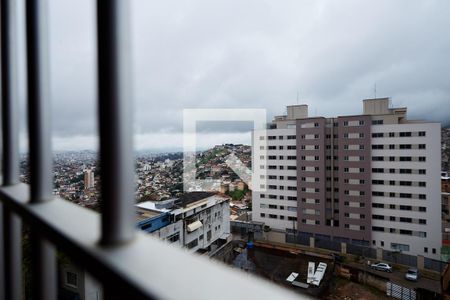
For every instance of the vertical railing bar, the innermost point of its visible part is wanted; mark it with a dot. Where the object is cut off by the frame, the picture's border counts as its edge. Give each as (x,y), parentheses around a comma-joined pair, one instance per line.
(13,255)
(115,122)
(9,93)
(43,265)
(41,173)
(2,258)
(11,225)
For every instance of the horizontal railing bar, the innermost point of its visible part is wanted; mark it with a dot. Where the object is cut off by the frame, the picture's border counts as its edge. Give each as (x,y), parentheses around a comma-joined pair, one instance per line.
(145,268)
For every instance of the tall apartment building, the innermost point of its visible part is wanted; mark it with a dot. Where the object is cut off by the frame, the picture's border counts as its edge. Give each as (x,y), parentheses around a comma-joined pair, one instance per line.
(89,181)
(369,179)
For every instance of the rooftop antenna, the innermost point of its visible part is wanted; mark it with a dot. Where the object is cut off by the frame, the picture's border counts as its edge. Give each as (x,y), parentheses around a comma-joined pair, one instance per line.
(297,97)
(375,90)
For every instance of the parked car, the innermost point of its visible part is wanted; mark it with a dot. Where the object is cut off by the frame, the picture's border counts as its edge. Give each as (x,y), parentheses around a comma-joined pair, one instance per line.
(337,257)
(382,267)
(412,274)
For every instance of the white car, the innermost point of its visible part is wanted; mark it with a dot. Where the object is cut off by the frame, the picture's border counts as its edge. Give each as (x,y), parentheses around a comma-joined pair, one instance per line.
(382,267)
(412,274)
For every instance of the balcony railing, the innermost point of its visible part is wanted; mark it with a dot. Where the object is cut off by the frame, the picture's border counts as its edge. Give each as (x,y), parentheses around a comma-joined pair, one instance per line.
(129,264)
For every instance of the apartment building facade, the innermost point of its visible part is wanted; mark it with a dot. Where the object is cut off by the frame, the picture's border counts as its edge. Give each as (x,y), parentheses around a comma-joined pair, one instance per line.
(369,179)
(197,221)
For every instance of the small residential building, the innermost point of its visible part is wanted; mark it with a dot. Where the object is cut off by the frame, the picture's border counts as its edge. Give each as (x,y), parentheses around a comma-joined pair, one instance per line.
(198,221)
(240,185)
(224,188)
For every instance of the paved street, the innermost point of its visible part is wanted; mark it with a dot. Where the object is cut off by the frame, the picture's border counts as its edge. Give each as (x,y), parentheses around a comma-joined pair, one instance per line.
(398,277)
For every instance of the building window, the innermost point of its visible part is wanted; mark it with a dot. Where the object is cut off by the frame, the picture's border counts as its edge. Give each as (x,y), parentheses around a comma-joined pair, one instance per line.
(71,279)
(405,134)
(406,232)
(399,247)
(173,238)
(425,249)
(434,250)
(192,244)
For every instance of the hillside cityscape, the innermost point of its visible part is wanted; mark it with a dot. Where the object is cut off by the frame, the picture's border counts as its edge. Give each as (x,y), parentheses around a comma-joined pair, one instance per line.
(159,179)
(225,150)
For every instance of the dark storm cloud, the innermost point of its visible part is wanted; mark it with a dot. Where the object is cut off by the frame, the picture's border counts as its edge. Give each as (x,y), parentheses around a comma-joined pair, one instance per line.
(256,54)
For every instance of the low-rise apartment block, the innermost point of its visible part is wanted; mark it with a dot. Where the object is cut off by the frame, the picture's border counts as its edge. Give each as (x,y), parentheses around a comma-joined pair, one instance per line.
(198,221)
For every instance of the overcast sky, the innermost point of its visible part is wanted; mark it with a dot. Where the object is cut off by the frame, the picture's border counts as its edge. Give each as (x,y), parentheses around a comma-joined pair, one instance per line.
(251,54)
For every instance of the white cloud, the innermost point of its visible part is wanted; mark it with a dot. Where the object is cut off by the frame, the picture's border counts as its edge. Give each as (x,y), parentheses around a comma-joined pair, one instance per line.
(253,54)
